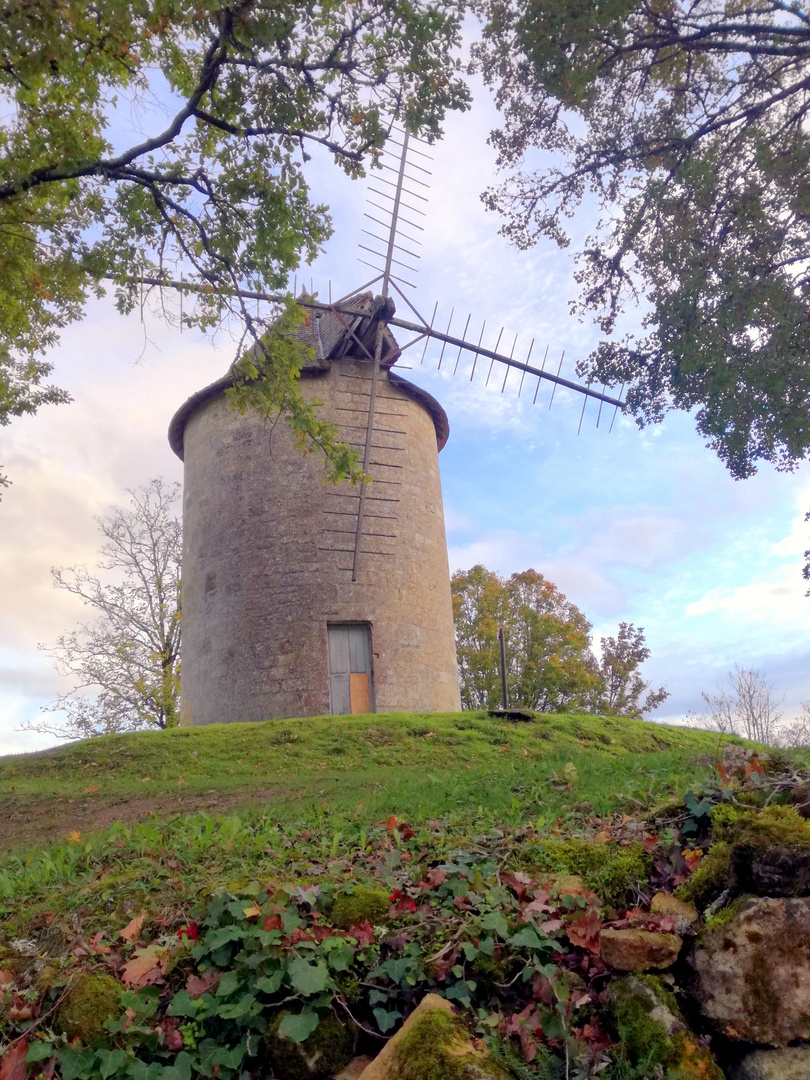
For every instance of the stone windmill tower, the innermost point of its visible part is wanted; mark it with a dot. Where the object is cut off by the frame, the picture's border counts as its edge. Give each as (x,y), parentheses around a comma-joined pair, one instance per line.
(301,598)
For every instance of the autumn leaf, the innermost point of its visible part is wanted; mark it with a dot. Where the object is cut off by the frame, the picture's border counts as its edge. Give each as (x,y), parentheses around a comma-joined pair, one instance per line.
(692,856)
(74,836)
(650,841)
(272,922)
(169,1033)
(753,766)
(12,1064)
(197,985)
(433,879)
(96,945)
(144,969)
(363,932)
(253,911)
(6,977)
(585,930)
(723,773)
(133,928)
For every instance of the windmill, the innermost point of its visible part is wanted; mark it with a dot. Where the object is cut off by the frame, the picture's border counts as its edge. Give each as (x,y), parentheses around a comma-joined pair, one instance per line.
(301,599)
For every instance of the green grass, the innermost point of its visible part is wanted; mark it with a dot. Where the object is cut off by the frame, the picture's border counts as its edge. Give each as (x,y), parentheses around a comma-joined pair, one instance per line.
(418,764)
(296,793)
(158,824)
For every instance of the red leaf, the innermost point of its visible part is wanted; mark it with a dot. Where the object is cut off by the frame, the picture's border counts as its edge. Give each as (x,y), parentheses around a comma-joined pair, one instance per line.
(433,879)
(723,773)
(650,842)
(197,985)
(272,922)
(190,931)
(753,766)
(363,932)
(96,945)
(391,824)
(169,1034)
(585,930)
(12,1064)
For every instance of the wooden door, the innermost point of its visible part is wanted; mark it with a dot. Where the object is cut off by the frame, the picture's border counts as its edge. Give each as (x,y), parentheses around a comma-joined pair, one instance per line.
(350,689)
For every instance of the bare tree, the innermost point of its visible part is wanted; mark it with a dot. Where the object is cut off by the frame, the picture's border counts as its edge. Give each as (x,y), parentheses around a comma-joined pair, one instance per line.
(126,663)
(795,733)
(748,708)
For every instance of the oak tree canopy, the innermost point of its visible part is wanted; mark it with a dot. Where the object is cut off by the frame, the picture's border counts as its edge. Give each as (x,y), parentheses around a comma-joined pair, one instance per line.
(231,97)
(687,122)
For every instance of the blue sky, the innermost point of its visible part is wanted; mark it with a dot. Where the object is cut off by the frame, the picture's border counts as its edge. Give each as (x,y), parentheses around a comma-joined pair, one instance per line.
(641,526)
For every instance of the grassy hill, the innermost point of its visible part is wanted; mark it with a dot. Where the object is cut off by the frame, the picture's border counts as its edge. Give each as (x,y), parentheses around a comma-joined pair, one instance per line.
(365,768)
(122,850)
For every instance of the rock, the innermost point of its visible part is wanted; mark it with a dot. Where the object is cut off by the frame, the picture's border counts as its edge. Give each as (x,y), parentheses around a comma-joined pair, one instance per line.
(685,914)
(354,1070)
(91,1000)
(752,970)
(434,1044)
(736,757)
(652,1031)
(791,1063)
(638,950)
(771,852)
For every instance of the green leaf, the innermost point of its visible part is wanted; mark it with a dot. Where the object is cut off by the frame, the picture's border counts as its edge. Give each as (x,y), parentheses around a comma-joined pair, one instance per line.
(39,1050)
(269,984)
(307,978)
(247,1005)
(528,938)
(112,1062)
(298,1026)
(493,920)
(386,1019)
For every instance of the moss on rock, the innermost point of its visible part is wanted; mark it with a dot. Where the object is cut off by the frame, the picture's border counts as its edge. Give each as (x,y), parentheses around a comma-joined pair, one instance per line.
(325,1052)
(434,1044)
(351,908)
(652,1032)
(609,870)
(91,1000)
(712,876)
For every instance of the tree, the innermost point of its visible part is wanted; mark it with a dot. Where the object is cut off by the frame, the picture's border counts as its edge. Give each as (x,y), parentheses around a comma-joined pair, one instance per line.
(126,663)
(686,121)
(236,92)
(621,682)
(549,666)
(747,708)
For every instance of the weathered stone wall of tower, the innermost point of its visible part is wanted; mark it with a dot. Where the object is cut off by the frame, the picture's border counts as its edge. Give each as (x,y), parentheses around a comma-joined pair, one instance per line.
(268,551)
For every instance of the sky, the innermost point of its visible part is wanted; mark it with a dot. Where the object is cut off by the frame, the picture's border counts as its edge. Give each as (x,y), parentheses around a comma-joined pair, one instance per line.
(641,526)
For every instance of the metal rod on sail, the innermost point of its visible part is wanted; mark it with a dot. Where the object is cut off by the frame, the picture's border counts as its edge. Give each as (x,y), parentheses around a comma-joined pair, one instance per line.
(389,255)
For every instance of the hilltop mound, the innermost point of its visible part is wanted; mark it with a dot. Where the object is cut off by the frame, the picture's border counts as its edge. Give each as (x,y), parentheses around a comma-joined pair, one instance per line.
(553,879)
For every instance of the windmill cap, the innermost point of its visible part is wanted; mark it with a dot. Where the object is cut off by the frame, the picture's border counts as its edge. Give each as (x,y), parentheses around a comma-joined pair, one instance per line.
(332,335)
